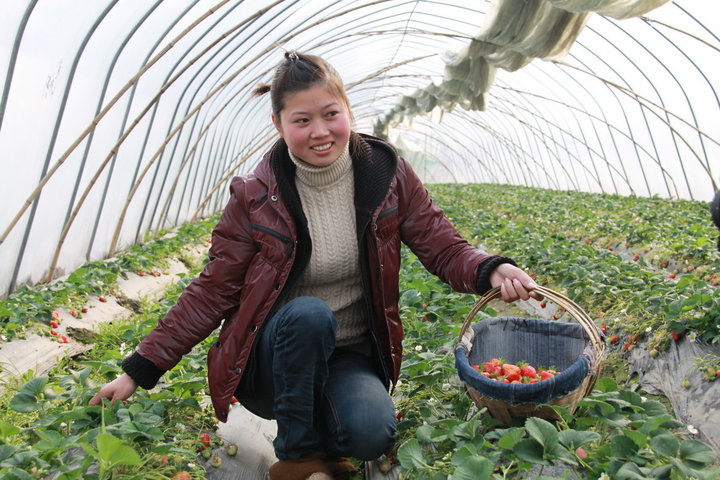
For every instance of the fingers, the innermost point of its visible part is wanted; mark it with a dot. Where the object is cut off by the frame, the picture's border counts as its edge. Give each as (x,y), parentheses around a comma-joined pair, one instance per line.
(513,289)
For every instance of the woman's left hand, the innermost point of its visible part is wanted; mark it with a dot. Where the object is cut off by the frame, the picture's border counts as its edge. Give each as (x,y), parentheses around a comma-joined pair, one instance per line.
(514,283)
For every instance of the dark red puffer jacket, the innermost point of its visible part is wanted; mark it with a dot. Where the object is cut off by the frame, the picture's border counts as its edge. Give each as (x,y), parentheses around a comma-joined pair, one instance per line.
(261,245)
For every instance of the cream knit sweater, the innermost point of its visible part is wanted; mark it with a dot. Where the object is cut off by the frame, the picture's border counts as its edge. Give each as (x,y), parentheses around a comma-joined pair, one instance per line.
(333,273)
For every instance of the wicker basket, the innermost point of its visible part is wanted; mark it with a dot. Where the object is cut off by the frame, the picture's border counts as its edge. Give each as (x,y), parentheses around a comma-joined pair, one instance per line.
(575,349)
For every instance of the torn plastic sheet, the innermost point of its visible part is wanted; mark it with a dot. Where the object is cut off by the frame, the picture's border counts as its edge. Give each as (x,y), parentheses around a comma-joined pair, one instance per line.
(698,405)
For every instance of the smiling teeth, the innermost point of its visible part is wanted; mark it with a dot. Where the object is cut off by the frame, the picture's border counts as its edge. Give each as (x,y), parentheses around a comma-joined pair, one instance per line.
(322,147)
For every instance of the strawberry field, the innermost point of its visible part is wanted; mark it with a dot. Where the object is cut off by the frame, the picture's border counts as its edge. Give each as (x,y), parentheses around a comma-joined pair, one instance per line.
(643,268)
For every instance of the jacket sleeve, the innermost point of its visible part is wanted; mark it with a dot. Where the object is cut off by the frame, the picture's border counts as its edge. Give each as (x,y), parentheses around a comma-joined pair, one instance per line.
(205,301)
(436,242)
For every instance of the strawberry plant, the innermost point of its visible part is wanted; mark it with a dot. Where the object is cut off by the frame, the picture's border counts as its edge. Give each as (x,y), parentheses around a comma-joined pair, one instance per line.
(582,244)
(33,305)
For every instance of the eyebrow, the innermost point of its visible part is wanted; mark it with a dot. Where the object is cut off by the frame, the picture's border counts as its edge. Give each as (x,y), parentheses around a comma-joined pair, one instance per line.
(323,108)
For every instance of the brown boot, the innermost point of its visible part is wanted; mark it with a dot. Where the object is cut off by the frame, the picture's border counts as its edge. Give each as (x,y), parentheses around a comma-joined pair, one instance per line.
(310,467)
(340,466)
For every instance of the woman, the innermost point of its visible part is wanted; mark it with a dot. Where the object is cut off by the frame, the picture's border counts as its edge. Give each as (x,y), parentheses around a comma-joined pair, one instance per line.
(304,270)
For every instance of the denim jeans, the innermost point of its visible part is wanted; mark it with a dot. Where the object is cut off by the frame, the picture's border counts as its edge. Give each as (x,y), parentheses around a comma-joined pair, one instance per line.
(322,398)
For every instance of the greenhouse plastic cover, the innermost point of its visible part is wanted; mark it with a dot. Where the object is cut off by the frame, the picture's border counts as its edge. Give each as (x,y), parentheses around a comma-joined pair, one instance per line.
(121,119)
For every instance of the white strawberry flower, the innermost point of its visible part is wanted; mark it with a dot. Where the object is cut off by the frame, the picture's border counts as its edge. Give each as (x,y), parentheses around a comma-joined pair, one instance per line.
(692,430)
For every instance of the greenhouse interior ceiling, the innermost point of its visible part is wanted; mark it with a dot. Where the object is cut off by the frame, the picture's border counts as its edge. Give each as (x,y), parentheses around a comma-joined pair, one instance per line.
(121,119)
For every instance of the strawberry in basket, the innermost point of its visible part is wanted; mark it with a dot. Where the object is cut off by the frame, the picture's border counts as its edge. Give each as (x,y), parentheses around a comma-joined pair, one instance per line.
(501,371)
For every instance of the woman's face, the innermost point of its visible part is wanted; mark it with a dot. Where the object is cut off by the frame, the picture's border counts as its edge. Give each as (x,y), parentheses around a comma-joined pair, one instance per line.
(315,125)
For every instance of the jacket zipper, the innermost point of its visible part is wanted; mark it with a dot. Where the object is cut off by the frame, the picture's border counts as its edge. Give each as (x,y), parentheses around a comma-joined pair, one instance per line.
(271,232)
(388,212)
(368,300)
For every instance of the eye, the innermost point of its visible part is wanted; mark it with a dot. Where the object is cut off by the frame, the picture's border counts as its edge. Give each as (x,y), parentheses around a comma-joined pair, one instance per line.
(332,113)
(301,120)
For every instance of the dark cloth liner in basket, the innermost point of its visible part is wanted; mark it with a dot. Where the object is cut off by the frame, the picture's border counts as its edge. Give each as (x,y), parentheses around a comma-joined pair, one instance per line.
(540,343)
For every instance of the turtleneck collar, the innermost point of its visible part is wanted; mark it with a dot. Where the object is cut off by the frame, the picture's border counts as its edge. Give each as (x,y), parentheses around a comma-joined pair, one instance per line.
(322,176)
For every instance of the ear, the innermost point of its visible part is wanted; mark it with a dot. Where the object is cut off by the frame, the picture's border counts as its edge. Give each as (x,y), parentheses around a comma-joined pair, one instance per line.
(278,125)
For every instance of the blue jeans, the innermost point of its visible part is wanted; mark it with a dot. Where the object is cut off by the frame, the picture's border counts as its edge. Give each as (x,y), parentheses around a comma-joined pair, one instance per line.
(322,398)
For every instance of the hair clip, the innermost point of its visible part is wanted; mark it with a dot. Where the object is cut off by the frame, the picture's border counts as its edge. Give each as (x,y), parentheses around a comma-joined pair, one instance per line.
(293,56)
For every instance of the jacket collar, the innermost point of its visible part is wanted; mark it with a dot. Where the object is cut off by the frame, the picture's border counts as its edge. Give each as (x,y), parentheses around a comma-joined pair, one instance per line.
(374,164)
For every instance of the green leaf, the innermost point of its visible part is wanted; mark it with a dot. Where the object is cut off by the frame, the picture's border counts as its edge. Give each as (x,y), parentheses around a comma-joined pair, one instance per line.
(14,473)
(473,468)
(666,445)
(8,430)
(469,450)
(572,439)
(424,433)
(530,451)
(696,451)
(543,432)
(602,408)
(622,446)
(113,451)
(410,454)
(630,471)
(511,437)
(654,408)
(605,384)
(26,400)
(640,439)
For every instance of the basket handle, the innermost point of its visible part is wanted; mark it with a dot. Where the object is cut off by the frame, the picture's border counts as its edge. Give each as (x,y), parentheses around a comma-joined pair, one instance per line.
(571,307)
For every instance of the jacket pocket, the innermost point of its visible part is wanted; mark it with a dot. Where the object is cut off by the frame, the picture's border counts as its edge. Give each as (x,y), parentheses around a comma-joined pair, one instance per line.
(387,225)
(274,246)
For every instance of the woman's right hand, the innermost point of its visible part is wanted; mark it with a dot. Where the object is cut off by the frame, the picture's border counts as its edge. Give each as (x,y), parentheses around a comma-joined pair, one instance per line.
(119,389)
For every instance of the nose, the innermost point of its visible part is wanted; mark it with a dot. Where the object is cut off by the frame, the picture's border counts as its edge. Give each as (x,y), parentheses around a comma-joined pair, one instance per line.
(319,130)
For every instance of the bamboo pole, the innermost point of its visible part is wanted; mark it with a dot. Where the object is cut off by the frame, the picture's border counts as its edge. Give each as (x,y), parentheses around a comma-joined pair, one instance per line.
(28,202)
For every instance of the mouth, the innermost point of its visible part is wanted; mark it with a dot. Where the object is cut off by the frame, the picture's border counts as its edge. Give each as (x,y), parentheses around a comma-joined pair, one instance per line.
(321,148)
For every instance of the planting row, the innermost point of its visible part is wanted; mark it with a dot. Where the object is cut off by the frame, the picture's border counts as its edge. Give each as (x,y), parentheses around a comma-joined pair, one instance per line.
(633,298)
(614,433)
(31,307)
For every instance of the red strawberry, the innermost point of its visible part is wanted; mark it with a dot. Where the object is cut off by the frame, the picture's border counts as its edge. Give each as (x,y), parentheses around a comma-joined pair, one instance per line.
(63,339)
(545,374)
(84,309)
(543,304)
(55,315)
(54,323)
(717,374)
(581,453)
(677,336)
(511,372)
(205,439)
(184,475)
(672,275)
(73,313)
(54,332)
(603,328)
(627,346)
(528,371)
(102,299)
(614,339)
